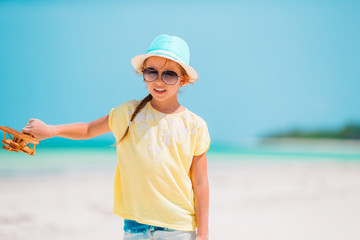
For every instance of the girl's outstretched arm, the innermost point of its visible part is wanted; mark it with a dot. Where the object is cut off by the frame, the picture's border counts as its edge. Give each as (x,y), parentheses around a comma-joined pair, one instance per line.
(199,179)
(76,131)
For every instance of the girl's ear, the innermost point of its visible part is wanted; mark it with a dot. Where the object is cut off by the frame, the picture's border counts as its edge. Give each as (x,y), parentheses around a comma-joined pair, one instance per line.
(184,80)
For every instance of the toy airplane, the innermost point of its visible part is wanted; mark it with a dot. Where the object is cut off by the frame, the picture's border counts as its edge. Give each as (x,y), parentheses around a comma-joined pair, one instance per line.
(18,142)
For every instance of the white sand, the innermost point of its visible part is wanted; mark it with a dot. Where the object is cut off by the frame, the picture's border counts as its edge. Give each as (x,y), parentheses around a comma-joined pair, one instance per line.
(253,198)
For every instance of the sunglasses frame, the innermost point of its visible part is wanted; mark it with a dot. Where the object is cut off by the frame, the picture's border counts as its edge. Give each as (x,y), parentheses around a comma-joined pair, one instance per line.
(157,73)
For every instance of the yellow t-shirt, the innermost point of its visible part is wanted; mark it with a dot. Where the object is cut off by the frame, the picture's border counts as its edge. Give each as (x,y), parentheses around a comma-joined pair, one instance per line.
(152,181)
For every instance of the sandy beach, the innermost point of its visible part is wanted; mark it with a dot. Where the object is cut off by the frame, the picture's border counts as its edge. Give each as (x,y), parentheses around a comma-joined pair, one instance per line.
(252,197)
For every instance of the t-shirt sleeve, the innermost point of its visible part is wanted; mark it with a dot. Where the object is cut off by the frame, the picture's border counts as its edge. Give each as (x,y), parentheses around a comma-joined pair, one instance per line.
(202,140)
(111,119)
(119,117)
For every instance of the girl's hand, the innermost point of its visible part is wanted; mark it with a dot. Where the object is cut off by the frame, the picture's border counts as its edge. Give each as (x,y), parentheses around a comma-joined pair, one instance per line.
(38,129)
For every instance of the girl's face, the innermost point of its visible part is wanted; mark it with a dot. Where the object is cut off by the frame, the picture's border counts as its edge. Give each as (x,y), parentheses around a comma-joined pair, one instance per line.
(161,91)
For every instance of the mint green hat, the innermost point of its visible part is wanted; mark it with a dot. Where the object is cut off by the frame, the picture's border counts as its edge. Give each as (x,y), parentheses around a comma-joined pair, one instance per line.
(170,47)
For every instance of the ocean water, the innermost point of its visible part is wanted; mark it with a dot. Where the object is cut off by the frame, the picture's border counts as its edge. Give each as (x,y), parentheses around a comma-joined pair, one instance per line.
(65,156)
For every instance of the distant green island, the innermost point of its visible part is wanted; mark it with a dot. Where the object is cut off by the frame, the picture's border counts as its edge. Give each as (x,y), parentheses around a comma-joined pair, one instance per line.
(349,131)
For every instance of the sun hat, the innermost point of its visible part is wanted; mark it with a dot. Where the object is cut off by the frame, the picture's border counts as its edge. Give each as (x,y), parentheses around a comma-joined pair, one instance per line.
(170,47)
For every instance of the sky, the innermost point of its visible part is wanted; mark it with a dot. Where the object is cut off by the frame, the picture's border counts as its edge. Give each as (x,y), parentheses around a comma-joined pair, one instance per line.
(264,66)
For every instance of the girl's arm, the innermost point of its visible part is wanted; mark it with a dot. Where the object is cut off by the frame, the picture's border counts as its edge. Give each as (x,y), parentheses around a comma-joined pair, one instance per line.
(75,131)
(198,174)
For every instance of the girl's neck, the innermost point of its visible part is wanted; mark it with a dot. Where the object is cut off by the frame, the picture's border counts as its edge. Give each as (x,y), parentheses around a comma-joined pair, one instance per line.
(167,107)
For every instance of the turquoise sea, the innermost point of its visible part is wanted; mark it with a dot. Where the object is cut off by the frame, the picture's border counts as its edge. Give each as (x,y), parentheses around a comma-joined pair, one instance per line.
(58,156)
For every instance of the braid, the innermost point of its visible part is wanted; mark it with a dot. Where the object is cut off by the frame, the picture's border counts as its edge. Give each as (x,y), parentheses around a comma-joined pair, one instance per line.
(137,110)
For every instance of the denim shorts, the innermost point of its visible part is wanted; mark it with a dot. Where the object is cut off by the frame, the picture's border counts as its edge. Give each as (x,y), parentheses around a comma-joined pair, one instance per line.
(134,230)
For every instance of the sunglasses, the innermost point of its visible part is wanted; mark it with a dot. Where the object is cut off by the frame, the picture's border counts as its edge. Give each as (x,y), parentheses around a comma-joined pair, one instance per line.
(168,77)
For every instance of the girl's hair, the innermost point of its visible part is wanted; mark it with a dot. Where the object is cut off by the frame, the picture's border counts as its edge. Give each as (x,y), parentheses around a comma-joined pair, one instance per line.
(137,110)
(145,101)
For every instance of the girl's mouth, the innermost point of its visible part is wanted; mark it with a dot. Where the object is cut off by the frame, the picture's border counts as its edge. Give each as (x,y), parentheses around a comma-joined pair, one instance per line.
(159,90)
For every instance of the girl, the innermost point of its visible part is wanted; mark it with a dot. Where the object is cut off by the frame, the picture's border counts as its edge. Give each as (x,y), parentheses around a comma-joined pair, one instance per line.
(161,186)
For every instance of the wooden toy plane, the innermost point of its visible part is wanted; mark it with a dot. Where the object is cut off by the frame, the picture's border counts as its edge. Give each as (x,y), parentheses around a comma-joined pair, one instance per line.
(18,142)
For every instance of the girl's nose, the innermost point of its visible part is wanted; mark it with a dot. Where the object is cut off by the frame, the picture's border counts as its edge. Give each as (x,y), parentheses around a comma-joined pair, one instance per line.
(158,79)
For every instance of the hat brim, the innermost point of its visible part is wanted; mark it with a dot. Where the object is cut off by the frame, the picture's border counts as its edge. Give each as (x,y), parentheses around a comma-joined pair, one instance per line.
(138,62)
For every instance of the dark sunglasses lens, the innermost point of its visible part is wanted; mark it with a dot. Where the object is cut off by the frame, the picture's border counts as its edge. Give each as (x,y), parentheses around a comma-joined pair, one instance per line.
(170,77)
(150,75)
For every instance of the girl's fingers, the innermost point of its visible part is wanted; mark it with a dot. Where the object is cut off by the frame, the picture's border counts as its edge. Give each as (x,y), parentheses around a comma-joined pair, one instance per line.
(27,130)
